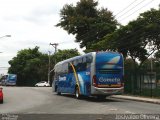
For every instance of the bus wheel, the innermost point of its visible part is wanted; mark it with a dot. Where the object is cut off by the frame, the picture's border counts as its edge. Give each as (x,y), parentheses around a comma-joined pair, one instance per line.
(101,97)
(58,93)
(55,90)
(77,94)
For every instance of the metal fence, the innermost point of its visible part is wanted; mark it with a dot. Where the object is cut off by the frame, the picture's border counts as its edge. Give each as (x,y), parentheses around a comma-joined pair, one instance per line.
(142,83)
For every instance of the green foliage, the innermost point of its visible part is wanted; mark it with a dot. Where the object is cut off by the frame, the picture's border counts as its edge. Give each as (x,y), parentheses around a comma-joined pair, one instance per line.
(132,40)
(157,62)
(129,64)
(88,23)
(31,66)
(66,54)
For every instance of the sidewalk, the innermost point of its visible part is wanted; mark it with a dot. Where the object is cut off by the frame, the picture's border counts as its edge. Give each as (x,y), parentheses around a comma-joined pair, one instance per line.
(136,98)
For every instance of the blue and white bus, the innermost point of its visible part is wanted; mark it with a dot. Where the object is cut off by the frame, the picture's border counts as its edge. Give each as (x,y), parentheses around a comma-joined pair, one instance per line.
(9,79)
(94,74)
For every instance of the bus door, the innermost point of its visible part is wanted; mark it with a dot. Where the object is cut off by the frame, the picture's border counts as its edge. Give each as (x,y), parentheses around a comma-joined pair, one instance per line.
(84,74)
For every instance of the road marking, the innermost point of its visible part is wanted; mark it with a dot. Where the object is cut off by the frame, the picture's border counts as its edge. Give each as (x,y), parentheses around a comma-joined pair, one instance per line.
(113,109)
(129,112)
(35,112)
(99,118)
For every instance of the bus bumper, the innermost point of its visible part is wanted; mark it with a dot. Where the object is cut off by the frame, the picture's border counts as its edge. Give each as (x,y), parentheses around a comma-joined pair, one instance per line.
(106,91)
(11,84)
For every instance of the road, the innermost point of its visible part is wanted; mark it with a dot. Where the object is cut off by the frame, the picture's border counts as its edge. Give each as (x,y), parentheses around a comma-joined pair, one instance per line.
(41,100)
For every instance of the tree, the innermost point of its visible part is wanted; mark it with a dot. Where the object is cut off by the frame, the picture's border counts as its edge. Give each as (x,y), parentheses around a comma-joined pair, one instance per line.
(129,65)
(30,65)
(157,61)
(66,54)
(88,23)
(156,65)
(133,39)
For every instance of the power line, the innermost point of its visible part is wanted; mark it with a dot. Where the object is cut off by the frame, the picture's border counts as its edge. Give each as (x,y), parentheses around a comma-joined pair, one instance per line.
(137,30)
(126,7)
(130,35)
(131,8)
(81,36)
(137,10)
(135,43)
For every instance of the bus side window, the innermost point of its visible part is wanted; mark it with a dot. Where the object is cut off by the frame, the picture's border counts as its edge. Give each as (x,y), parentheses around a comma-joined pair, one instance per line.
(75,63)
(83,64)
(79,65)
(66,68)
(55,76)
(89,59)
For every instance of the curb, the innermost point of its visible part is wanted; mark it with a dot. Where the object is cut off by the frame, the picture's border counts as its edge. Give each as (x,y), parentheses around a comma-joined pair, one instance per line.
(140,99)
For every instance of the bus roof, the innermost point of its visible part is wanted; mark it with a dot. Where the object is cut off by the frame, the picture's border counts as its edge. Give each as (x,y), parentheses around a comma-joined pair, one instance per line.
(76,57)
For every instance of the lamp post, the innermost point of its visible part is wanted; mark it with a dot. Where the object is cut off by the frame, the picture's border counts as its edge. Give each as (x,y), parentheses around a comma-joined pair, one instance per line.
(5,36)
(55,46)
(151,68)
(49,63)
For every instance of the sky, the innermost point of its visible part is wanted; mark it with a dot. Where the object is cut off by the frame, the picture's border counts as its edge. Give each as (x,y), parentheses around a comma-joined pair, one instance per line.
(32,23)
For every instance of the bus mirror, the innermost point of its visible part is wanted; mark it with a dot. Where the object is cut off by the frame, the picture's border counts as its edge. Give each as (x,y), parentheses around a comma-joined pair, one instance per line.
(89,59)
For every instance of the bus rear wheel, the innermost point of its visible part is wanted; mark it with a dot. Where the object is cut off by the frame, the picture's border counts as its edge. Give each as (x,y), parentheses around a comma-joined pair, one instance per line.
(101,97)
(58,93)
(77,93)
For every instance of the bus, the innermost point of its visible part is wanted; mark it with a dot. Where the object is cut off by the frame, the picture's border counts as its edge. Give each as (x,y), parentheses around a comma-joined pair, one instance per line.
(9,80)
(97,74)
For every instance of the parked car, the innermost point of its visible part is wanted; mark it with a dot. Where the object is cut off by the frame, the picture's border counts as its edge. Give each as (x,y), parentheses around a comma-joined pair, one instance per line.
(1,95)
(42,84)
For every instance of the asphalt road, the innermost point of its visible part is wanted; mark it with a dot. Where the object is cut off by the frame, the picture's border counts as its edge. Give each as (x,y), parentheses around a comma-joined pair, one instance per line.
(41,100)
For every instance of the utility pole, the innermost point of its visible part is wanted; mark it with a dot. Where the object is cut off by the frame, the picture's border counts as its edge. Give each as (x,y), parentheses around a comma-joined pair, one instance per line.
(5,36)
(49,64)
(151,68)
(49,61)
(55,47)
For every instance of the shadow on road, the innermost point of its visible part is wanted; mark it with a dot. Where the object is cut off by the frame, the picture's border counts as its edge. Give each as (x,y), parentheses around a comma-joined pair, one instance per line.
(91,99)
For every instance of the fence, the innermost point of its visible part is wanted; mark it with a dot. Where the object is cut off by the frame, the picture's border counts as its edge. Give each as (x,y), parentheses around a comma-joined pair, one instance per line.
(142,83)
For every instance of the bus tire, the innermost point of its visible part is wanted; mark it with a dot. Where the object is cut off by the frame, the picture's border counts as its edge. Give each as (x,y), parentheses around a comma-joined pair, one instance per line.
(55,89)
(101,97)
(58,93)
(77,93)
